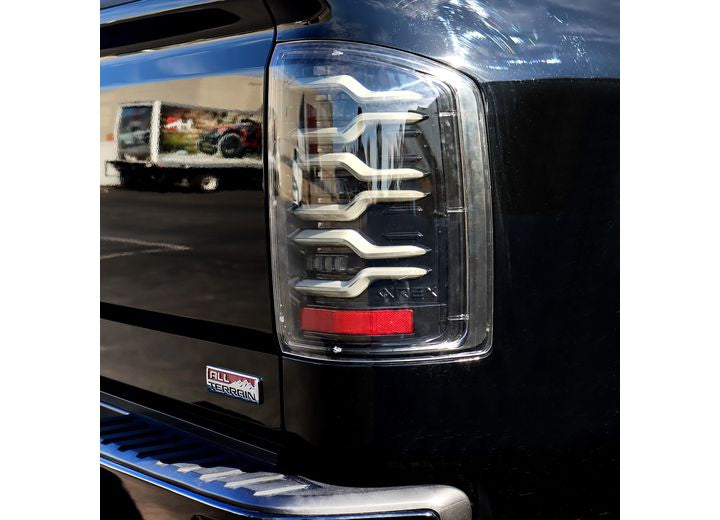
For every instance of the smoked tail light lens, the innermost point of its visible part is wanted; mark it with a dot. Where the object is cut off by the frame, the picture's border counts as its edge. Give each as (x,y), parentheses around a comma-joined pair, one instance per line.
(379,205)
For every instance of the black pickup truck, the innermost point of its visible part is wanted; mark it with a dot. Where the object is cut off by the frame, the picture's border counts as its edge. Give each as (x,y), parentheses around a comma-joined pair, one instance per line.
(406,306)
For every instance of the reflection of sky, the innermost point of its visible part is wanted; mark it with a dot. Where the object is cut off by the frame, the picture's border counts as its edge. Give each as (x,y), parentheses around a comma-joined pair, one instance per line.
(132,8)
(225,56)
(492,38)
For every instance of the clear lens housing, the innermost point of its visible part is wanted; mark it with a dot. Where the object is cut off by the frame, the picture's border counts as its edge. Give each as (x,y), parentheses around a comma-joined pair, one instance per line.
(379,205)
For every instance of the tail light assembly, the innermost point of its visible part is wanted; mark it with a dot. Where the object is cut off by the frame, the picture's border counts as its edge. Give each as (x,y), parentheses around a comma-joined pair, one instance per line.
(379,205)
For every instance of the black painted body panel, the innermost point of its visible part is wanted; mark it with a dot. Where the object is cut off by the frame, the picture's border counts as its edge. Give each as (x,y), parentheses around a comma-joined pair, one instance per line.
(174,366)
(185,272)
(165,246)
(535,425)
(222,277)
(540,415)
(489,40)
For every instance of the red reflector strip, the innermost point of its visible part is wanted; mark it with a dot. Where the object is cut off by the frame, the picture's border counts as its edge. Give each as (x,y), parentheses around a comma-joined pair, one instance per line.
(359,323)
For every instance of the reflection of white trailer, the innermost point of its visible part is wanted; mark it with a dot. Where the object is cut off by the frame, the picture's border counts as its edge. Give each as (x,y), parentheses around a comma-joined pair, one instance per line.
(139,134)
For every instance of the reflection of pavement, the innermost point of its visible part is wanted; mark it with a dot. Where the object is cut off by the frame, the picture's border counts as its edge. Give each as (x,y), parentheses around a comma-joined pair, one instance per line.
(114,247)
(146,501)
(200,255)
(201,159)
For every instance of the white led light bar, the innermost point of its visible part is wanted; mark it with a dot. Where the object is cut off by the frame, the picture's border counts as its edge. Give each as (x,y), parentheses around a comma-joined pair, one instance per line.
(357,126)
(358,91)
(355,241)
(357,206)
(358,283)
(362,171)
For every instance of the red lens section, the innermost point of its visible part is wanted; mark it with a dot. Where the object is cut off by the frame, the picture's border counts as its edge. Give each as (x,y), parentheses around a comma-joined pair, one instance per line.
(359,323)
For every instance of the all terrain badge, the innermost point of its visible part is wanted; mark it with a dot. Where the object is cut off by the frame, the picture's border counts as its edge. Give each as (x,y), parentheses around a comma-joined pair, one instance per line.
(233,384)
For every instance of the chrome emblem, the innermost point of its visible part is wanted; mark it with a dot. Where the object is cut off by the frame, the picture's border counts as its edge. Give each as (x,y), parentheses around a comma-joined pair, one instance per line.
(233,384)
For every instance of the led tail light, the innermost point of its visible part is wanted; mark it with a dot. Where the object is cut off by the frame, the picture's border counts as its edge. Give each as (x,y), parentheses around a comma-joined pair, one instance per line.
(379,205)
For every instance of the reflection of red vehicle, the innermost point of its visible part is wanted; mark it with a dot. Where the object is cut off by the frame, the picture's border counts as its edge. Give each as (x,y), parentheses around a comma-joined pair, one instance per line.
(232,140)
(178,124)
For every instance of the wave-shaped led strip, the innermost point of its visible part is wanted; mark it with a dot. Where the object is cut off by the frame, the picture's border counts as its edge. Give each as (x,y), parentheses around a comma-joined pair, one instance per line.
(357,126)
(357,206)
(358,283)
(362,171)
(360,93)
(355,241)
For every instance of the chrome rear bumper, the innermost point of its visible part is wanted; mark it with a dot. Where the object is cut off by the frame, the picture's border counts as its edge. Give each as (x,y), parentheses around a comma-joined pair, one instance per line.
(186,465)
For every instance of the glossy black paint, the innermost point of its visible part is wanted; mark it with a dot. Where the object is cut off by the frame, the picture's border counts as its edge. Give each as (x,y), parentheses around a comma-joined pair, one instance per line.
(184,273)
(535,426)
(489,40)
(223,275)
(145,24)
(174,366)
(539,416)
(211,262)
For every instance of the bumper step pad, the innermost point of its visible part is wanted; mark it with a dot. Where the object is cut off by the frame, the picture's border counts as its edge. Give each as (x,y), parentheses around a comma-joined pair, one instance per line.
(165,455)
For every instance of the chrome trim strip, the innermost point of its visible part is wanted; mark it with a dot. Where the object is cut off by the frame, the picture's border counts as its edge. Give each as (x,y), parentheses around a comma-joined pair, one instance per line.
(115,409)
(357,206)
(355,241)
(356,127)
(360,170)
(358,283)
(360,93)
